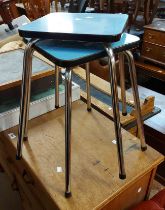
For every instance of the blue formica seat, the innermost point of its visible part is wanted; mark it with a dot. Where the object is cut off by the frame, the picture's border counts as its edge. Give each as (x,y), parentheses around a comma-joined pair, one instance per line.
(71,39)
(71,53)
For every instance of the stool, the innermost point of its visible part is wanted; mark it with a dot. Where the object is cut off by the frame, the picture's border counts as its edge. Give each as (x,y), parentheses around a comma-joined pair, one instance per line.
(132,71)
(122,48)
(68,54)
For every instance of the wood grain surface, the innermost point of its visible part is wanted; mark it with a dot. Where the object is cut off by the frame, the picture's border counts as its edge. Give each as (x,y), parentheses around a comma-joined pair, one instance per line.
(95,180)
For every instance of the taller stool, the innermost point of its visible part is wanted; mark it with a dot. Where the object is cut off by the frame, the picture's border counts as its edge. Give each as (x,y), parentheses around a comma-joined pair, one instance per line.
(67,53)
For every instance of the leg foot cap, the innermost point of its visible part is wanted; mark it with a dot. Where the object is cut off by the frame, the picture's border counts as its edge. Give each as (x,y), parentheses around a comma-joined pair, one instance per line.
(122,176)
(124,113)
(89,109)
(68,194)
(144,148)
(25,138)
(18,157)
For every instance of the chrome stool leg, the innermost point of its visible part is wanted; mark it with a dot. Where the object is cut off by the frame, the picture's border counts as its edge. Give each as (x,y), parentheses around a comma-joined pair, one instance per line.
(25,135)
(116,113)
(133,77)
(25,98)
(122,84)
(88,87)
(68,109)
(56,86)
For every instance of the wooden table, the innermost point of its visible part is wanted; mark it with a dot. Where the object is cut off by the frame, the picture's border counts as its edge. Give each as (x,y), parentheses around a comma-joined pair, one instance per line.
(95,183)
(155,128)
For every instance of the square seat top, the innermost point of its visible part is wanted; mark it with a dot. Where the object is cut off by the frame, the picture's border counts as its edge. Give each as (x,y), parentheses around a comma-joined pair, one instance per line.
(91,27)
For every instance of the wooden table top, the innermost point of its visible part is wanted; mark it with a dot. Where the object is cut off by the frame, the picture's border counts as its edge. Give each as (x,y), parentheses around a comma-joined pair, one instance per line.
(94,158)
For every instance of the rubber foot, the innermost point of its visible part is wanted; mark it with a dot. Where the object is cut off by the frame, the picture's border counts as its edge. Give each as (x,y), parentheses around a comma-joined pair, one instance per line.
(89,109)
(56,107)
(124,113)
(25,138)
(18,157)
(122,176)
(68,194)
(144,148)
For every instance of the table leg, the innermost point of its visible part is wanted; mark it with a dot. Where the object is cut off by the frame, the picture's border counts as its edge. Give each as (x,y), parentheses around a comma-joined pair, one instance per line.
(56,86)
(68,107)
(25,98)
(122,84)
(133,77)
(116,113)
(88,87)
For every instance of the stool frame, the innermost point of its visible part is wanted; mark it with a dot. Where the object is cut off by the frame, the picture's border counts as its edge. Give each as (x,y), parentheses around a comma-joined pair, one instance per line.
(132,70)
(25,102)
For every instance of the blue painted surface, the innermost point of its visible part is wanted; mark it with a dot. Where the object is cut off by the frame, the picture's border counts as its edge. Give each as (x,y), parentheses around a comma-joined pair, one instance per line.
(77,26)
(127,40)
(70,51)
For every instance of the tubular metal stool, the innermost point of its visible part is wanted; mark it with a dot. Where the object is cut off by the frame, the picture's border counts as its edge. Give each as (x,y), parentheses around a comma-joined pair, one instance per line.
(56,87)
(68,54)
(121,47)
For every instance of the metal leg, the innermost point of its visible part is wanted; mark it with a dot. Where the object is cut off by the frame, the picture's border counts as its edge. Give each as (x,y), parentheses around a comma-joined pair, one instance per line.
(122,84)
(115,104)
(25,98)
(28,89)
(56,87)
(68,104)
(88,87)
(136,98)
(29,66)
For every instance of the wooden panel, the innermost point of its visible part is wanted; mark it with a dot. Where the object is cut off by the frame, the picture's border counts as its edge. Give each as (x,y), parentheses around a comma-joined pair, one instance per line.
(131,196)
(153,49)
(153,52)
(154,42)
(155,37)
(150,70)
(94,177)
